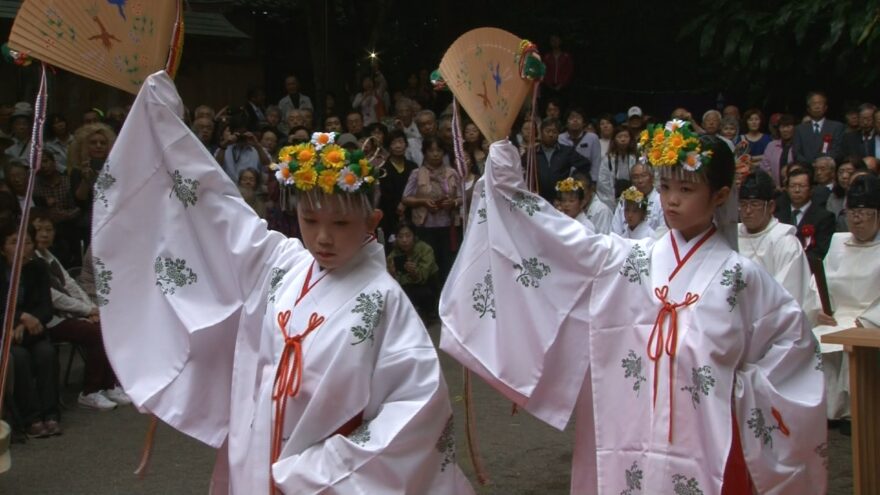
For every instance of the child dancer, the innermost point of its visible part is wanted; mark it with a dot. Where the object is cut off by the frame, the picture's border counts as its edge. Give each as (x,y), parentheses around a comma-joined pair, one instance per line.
(306,364)
(571,200)
(635,214)
(690,370)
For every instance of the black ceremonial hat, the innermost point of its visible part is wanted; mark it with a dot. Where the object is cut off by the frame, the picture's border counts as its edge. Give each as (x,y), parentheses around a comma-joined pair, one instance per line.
(864,192)
(757,185)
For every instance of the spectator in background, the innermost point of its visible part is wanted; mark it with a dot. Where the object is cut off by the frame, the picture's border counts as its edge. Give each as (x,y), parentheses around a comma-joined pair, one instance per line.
(606,132)
(255,108)
(354,123)
(76,319)
(476,145)
(731,111)
(6,110)
(85,161)
(333,124)
(634,120)
(642,177)
(309,118)
(57,139)
(585,143)
(754,136)
(779,152)
(52,191)
(861,143)
(239,149)
(851,121)
(818,135)
(20,125)
(729,129)
(274,121)
(203,128)
(426,122)
(293,99)
(17,174)
(204,112)
(615,166)
(836,200)
(711,122)
(300,135)
(560,69)
(824,178)
(250,186)
(404,117)
(553,110)
(411,262)
(372,101)
(433,192)
(815,225)
(444,132)
(92,116)
(33,355)
(397,171)
(115,118)
(269,141)
(557,161)
(293,119)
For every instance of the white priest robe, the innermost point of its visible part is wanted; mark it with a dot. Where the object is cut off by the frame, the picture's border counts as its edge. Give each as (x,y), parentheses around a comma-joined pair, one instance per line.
(194,292)
(599,213)
(851,270)
(778,250)
(570,322)
(655,217)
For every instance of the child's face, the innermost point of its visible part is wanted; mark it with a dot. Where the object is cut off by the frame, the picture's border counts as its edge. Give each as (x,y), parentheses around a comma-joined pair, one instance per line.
(570,204)
(689,205)
(334,236)
(634,215)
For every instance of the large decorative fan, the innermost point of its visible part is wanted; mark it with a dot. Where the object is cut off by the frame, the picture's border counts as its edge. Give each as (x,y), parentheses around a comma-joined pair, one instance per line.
(117,42)
(490,72)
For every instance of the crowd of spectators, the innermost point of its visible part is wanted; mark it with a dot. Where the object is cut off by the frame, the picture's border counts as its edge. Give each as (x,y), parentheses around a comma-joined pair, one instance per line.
(811,158)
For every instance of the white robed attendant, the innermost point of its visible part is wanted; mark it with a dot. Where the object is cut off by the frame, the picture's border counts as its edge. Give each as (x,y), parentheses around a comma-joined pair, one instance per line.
(234,335)
(774,245)
(851,270)
(599,213)
(692,353)
(640,231)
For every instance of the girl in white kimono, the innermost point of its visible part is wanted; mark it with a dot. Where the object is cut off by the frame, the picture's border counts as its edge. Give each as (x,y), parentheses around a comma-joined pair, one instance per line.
(853,286)
(688,368)
(571,200)
(306,365)
(635,214)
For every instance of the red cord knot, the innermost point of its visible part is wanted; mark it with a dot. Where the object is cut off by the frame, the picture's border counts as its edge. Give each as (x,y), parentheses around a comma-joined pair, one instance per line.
(783,428)
(288,377)
(666,340)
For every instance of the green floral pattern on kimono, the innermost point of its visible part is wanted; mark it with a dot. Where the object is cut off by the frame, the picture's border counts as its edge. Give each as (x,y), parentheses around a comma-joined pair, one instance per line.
(484,296)
(817,351)
(632,366)
(733,279)
(682,485)
(636,265)
(369,306)
(103,183)
(103,276)
(702,382)
(760,428)
(633,480)
(172,274)
(525,202)
(446,444)
(275,277)
(184,189)
(361,435)
(531,271)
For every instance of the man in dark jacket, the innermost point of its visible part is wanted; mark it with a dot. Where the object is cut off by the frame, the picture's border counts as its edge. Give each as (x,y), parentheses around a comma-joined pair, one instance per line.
(555,161)
(814,224)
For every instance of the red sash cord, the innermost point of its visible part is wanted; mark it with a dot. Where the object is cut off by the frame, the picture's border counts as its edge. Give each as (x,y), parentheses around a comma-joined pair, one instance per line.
(657,344)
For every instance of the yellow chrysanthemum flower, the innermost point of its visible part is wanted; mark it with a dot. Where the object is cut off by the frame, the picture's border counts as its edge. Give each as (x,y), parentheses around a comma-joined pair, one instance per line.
(676,141)
(333,156)
(305,178)
(304,154)
(643,137)
(659,138)
(284,154)
(670,157)
(327,180)
(655,156)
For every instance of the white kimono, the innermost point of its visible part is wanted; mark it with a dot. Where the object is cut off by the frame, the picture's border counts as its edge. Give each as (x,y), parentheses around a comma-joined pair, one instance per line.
(642,231)
(194,292)
(854,290)
(654,219)
(588,225)
(778,250)
(599,213)
(565,325)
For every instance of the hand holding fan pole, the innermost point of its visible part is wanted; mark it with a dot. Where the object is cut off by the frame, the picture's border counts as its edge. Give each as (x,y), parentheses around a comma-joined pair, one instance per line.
(490,73)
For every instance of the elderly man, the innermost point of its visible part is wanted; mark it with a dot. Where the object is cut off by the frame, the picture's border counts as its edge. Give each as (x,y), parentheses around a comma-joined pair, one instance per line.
(824,176)
(818,135)
(404,120)
(711,122)
(815,225)
(555,160)
(426,123)
(293,99)
(861,143)
(203,127)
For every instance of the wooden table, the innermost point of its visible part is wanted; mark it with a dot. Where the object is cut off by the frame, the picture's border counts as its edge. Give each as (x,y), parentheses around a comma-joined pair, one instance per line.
(863,346)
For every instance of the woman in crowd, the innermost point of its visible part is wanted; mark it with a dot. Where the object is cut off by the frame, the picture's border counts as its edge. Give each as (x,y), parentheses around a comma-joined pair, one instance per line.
(397,171)
(85,161)
(779,152)
(52,191)
(476,145)
(57,139)
(372,101)
(33,355)
(606,132)
(754,135)
(616,165)
(76,319)
(251,189)
(269,141)
(434,195)
(852,286)
(411,262)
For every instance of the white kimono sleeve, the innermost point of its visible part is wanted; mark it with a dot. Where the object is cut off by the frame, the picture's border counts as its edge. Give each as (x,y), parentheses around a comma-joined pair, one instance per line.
(793,273)
(515,305)
(780,397)
(177,255)
(406,442)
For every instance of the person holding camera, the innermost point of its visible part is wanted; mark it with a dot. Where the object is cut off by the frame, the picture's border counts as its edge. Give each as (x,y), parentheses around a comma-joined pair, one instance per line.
(239,150)
(411,262)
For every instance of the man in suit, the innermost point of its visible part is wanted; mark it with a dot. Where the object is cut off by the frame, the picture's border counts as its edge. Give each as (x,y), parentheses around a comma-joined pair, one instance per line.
(818,135)
(556,161)
(814,224)
(861,144)
(254,108)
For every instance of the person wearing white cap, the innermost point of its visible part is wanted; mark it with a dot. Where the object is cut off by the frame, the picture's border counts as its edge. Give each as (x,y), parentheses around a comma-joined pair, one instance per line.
(634,119)
(20,122)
